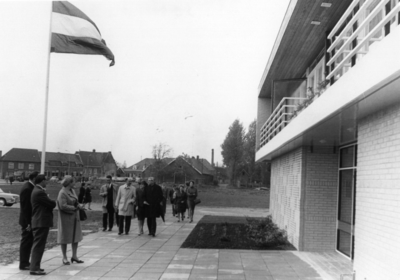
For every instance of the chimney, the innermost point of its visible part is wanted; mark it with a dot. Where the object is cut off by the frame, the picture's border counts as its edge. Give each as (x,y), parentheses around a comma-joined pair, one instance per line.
(1,153)
(94,150)
(212,157)
(197,157)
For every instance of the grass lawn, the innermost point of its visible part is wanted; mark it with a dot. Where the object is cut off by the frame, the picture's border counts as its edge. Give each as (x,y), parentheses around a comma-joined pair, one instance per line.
(10,232)
(211,196)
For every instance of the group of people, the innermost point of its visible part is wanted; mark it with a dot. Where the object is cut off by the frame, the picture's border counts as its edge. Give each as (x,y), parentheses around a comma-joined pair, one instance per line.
(141,199)
(183,198)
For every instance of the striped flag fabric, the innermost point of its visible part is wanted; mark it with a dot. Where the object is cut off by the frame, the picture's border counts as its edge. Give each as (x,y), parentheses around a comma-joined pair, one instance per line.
(74,32)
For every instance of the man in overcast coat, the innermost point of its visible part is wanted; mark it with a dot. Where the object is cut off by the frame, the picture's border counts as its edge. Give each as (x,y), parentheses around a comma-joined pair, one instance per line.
(153,201)
(25,215)
(42,221)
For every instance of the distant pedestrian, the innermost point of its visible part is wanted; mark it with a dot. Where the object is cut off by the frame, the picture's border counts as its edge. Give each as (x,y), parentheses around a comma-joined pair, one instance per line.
(88,195)
(180,202)
(82,191)
(165,196)
(25,221)
(191,192)
(171,199)
(11,179)
(42,221)
(153,198)
(125,203)
(109,193)
(139,204)
(69,223)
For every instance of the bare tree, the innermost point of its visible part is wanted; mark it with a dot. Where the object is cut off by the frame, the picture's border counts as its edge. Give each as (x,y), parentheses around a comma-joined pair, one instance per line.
(160,152)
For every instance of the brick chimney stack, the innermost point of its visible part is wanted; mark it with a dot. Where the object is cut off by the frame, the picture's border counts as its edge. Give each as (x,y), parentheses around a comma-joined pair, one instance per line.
(212,157)
(94,150)
(1,153)
(197,157)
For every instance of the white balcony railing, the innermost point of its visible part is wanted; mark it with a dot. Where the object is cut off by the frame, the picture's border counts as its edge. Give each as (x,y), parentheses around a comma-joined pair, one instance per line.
(279,118)
(364,23)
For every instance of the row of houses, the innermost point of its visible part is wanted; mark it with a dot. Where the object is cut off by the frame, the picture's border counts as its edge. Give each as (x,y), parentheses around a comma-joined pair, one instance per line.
(21,162)
(329,123)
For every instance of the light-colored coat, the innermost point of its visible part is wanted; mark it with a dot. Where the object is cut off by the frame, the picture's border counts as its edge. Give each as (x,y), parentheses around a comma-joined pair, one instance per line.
(67,216)
(125,200)
(103,193)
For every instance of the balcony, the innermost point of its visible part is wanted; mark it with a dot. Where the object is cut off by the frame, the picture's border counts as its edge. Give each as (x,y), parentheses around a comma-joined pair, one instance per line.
(363,24)
(279,118)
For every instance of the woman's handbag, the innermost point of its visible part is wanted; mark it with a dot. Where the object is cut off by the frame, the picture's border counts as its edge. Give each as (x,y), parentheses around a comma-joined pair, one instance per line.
(196,201)
(82,215)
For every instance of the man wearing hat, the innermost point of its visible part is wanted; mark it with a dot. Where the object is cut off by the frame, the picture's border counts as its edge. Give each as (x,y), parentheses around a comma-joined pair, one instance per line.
(153,201)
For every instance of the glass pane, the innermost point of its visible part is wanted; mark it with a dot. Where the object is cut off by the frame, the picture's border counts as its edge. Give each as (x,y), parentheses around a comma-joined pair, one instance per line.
(347,157)
(346,196)
(344,242)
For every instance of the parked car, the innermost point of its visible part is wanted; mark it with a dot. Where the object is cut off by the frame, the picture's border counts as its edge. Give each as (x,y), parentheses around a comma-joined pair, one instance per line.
(8,199)
(54,179)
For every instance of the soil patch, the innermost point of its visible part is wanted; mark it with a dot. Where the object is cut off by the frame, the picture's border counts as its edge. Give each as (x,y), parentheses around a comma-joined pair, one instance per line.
(10,232)
(231,232)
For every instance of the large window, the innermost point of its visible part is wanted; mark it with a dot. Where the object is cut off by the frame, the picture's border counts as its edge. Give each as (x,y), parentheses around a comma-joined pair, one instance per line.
(20,166)
(31,166)
(11,165)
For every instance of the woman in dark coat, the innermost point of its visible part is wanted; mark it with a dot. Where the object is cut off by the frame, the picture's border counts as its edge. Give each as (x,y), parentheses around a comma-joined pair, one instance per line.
(82,191)
(88,195)
(140,212)
(191,192)
(180,202)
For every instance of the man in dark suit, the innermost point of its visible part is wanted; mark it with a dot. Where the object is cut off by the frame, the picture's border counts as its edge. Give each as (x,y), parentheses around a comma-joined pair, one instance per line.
(109,193)
(42,221)
(25,216)
(153,201)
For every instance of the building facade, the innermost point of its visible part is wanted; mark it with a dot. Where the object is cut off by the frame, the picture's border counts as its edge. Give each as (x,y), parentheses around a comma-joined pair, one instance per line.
(19,163)
(329,123)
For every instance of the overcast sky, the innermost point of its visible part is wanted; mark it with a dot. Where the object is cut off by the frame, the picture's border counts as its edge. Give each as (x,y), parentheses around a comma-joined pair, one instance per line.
(174,59)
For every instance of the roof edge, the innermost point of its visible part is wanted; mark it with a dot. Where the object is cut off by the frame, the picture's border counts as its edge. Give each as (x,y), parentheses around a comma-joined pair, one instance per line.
(282,30)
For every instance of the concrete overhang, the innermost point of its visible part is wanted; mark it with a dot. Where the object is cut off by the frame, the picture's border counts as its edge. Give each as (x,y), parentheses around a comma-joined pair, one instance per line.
(370,86)
(299,42)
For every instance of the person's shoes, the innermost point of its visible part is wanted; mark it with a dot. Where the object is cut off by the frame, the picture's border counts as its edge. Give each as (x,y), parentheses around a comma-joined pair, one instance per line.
(66,263)
(110,229)
(149,233)
(37,272)
(25,268)
(140,233)
(154,235)
(126,233)
(104,229)
(191,221)
(119,233)
(77,261)
(179,221)
(89,208)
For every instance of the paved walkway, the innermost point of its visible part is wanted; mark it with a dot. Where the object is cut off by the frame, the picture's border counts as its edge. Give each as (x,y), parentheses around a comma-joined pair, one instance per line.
(109,256)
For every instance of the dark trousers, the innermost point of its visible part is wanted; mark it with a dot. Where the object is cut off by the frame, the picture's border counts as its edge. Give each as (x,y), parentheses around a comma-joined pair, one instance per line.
(152,225)
(124,220)
(25,248)
(110,217)
(39,243)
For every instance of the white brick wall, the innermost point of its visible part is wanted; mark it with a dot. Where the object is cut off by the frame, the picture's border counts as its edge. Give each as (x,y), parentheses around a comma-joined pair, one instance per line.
(377,223)
(285,193)
(320,199)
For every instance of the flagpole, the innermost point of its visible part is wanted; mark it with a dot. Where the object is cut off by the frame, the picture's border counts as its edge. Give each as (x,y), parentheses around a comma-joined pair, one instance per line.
(47,97)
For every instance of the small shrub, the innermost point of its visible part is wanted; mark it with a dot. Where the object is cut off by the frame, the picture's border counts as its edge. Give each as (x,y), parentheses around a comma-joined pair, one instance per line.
(266,233)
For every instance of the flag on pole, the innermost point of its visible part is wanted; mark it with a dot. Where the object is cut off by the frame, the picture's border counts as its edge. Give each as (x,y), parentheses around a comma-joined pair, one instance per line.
(74,32)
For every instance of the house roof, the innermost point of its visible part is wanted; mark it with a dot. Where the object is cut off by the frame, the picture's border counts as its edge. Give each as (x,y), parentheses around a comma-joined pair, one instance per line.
(62,157)
(299,42)
(22,155)
(93,158)
(145,163)
(201,165)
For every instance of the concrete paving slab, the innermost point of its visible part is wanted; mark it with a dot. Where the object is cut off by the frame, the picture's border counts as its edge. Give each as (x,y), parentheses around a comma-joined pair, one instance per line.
(108,256)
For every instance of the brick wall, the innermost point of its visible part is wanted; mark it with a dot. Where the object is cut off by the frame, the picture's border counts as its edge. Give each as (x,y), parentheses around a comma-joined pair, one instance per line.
(286,193)
(320,199)
(377,224)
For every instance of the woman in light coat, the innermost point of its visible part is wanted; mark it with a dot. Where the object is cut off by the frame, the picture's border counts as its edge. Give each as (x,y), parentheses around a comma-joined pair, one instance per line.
(125,203)
(69,224)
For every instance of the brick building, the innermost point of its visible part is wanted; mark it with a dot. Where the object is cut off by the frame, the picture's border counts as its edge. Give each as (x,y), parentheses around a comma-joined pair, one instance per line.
(178,170)
(97,164)
(329,123)
(61,164)
(19,162)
